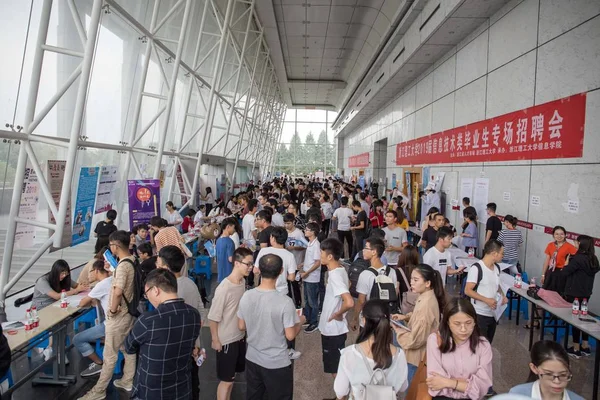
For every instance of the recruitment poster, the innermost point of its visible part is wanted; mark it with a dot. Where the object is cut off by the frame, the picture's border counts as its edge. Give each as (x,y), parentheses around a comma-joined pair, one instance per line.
(84,204)
(480,201)
(27,210)
(55,172)
(106,189)
(144,200)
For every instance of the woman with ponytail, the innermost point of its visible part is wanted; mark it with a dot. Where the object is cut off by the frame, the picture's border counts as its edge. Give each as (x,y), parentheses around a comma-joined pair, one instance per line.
(425,318)
(373,346)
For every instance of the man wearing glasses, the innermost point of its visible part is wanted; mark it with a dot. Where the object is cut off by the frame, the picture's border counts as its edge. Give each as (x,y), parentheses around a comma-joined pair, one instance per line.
(227,340)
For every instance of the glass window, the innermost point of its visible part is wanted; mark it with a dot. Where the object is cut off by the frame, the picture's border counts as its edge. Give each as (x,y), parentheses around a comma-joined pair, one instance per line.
(312,116)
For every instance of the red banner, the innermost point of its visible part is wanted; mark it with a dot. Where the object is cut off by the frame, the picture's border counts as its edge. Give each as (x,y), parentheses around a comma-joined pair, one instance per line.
(361,160)
(550,130)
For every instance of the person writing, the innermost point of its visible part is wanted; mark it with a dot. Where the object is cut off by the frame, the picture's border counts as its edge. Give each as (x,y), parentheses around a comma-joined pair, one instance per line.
(424,319)
(549,374)
(48,288)
(459,359)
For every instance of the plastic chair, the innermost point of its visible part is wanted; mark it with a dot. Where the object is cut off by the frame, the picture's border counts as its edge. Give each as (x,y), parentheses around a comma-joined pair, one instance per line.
(88,319)
(8,377)
(118,366)
(45,343)
(203,265)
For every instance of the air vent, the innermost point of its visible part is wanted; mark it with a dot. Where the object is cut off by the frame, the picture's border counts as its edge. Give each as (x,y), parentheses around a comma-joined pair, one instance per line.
(366,94)
(399,54)
(430,16)
(380,76)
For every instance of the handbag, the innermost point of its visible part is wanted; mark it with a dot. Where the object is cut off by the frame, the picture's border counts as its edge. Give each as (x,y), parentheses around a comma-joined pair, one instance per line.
(376,389)
(418,389)
(409,298)
(532,291)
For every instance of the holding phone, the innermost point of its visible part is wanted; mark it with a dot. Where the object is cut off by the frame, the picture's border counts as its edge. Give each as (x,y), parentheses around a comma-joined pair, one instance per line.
(400,325)
(108,256)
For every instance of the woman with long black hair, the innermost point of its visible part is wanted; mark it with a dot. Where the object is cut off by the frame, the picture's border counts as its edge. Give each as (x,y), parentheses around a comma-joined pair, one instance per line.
(579,276)
(373,347)
(48,288)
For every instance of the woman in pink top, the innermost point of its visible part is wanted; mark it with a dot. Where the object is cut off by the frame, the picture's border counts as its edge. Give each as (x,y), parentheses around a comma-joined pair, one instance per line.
(459,360)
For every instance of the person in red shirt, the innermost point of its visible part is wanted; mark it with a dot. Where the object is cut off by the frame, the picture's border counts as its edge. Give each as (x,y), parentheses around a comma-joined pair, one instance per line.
(188,221)
(376,215)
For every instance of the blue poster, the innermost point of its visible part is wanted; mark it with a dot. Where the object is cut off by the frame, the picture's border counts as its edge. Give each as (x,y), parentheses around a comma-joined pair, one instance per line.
(394,182)
(426,177)
(84,204)
(361,181)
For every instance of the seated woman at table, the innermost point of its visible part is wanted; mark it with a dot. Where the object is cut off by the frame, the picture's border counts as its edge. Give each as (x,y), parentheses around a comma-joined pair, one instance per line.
(549,374)
(579,274)
(459,359)
(48,287)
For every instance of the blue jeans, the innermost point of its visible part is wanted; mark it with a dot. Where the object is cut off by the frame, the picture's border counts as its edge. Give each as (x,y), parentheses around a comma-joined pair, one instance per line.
(412,370)
(311,302)
(82,339)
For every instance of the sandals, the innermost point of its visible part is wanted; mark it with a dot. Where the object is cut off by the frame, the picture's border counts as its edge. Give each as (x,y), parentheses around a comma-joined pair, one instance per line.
(535,325)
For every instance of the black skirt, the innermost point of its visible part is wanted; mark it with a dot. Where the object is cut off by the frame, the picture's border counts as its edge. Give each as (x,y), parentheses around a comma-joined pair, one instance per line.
(555,281)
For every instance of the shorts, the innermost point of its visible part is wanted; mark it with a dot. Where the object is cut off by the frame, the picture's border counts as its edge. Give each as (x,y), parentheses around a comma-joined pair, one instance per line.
(231,359)
(332,346)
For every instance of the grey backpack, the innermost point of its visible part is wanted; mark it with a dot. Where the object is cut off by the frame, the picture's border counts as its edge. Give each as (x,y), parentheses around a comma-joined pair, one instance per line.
(377,388)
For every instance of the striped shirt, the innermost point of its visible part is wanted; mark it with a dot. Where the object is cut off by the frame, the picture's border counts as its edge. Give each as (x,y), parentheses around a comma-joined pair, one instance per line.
(511,239)
(168,236)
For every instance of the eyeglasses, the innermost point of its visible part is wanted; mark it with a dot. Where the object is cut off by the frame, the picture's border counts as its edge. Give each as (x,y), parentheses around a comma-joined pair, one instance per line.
(247,264)
(552,377)
(146,292)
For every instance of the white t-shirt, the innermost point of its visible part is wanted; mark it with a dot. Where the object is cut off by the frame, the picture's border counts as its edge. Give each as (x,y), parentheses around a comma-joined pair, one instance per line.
(343,215)
(439,261)
(395,238)
(173,218)
(248,226)
(289,265)
(366,279)
(327,209)
(312,254)
(101,291)
(337,284)
(277,219)
(488,287)
(197,218)
(236,239)
(298,254)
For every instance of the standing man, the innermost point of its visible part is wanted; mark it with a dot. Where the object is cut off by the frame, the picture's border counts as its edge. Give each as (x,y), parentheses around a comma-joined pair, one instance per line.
(395,238)
(359,227)
(343,217)
(118,321)
(438,257)
(262,202)
(224,249)
(429,238)
(298,251)
(493,226)
(327,210)
(277,218)
(248,223)
(263,224)
(269,317)
(338,301)
(164,341)
(171,258)
(311,276)
(227,340)
(485,291)
(468,209)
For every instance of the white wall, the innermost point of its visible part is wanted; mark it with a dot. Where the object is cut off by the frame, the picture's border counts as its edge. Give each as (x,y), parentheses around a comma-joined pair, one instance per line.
(530,52)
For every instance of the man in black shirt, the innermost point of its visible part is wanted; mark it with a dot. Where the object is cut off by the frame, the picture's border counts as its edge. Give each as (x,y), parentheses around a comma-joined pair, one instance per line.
(359,227)
(263,223)
(493,225)
(429,238)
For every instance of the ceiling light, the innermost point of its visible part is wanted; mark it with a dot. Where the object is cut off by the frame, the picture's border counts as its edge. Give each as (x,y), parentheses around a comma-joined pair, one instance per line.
(451,33)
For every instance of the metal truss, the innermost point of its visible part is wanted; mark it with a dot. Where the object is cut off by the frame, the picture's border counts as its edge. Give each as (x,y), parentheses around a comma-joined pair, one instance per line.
(250,95)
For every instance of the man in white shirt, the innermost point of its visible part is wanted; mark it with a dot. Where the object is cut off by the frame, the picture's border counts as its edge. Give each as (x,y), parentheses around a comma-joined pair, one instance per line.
(342,216)
(372,252)
(438,257)
(395,238)
(327,209)
(311,276)
(248,226)
(338,301)
(100,274)
(278,239)
(276,218)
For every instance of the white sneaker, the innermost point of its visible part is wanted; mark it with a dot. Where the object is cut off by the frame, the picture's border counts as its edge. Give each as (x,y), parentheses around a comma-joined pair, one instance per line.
(119,384)
(92,369)
(93,396)
(294,355)
(48,352)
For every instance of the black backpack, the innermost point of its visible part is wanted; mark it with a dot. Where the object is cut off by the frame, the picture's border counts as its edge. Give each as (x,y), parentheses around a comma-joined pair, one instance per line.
(380,288)
(139,280)
(354,271)
(479,278)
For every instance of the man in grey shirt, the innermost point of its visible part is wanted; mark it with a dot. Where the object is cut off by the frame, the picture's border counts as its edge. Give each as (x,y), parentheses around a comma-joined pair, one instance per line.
(172,258)
(269,318)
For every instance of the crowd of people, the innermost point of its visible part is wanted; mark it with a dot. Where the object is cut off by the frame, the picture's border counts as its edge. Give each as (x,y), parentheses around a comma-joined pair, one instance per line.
(314,256)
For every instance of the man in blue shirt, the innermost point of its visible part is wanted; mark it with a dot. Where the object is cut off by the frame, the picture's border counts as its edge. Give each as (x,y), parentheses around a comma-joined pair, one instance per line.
(225,248)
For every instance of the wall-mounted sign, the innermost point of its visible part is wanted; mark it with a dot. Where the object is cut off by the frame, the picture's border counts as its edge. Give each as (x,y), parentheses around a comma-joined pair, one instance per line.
(360,160)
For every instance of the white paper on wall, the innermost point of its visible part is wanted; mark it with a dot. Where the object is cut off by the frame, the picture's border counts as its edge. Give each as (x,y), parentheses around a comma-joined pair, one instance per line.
(466,190)
(481,195)
(535,201)
(506,196)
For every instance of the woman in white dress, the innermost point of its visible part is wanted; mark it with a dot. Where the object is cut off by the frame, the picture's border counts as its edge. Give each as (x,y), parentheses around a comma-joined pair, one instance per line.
(172,215)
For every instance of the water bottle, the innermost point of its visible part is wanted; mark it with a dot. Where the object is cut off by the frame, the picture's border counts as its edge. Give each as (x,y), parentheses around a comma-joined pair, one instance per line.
(201,357)
(532,282)
(584,307)
(471,253)
(576,306)
(35,316)
(518,281)
(63,299)
(28,320)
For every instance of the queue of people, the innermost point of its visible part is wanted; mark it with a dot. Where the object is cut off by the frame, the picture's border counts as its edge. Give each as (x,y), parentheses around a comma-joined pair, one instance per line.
(281,279)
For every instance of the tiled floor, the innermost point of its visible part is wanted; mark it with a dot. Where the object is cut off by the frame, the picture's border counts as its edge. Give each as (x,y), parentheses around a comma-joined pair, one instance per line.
(510,367)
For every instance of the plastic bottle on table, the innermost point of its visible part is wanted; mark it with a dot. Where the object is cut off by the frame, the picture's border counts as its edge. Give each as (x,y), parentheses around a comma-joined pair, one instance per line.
(28,320)
(532,282)
(518,281)
(35,317)
(584,307)
(63,299)
(576,306)
(471,253)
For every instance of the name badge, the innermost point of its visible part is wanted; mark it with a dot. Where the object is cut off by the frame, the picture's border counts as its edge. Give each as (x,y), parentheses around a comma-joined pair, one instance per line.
(384,294)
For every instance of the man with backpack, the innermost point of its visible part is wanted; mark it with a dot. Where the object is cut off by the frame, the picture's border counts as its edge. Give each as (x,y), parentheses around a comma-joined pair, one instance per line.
(361,227)
(379,281)
(122,304)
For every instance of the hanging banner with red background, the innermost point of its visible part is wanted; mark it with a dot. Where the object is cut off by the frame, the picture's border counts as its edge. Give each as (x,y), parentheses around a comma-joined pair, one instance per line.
(549,130)
(360,160)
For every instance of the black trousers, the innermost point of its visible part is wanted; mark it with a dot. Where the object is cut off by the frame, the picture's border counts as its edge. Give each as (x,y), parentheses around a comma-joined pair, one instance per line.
(487,326)
(346,236)
(359,243)
(273,384)
(195,379)
(325,226)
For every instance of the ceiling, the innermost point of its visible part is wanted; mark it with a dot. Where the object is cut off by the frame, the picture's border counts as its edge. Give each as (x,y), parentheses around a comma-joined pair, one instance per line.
(321,48)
